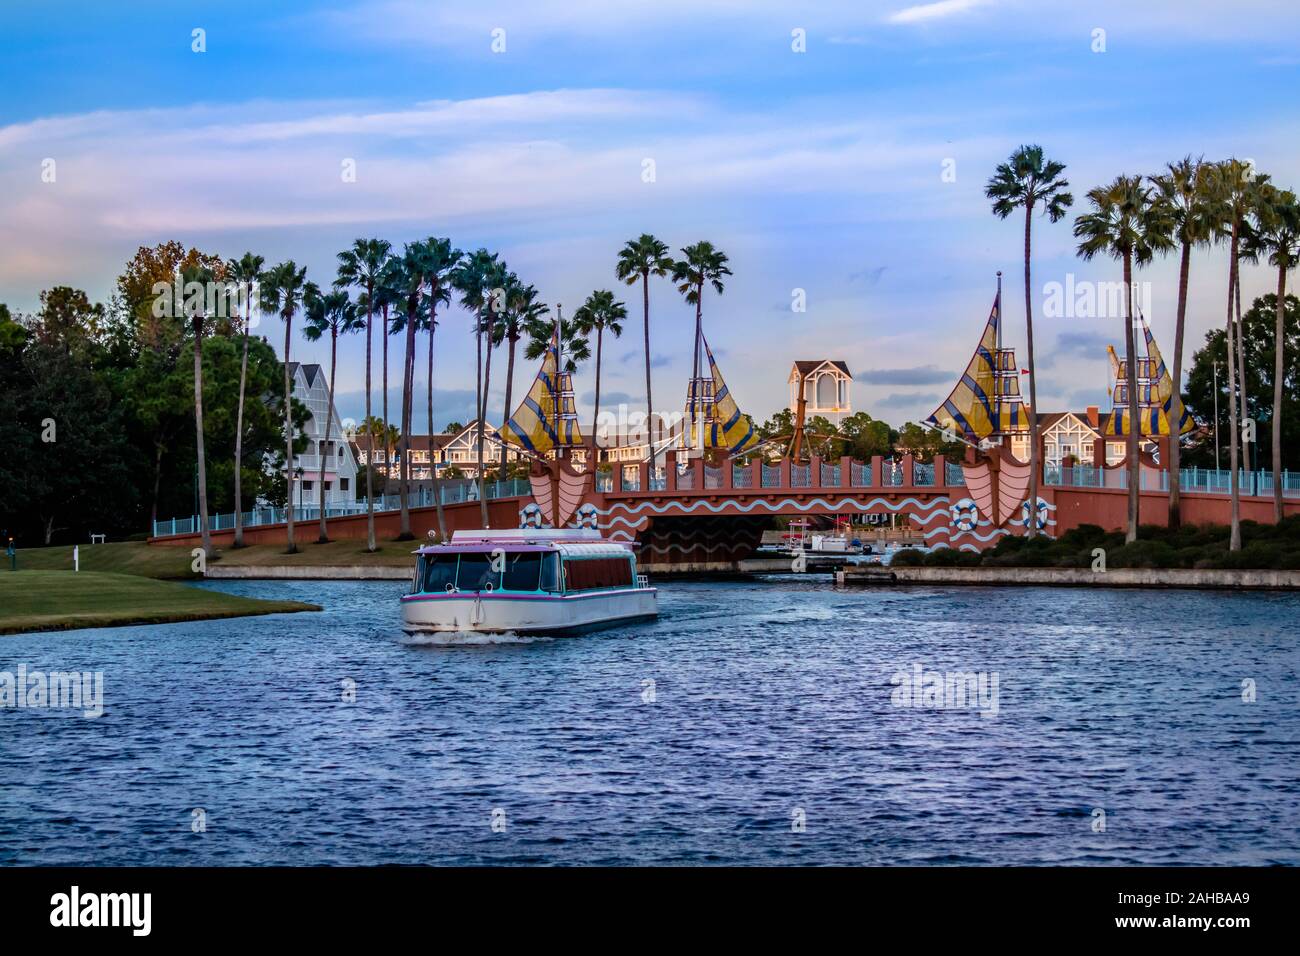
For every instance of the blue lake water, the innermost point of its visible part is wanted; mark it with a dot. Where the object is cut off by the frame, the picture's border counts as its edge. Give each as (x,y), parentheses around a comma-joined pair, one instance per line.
(768,736)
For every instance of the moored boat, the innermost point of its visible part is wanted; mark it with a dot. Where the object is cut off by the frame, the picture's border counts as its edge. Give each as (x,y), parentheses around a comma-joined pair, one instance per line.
(526,581)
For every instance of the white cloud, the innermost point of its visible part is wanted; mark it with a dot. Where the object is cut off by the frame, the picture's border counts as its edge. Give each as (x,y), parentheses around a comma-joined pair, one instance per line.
(926,12)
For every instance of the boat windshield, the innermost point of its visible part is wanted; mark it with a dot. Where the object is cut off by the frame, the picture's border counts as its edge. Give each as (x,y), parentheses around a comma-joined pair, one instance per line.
(476,574)
(522,571)
(439,570)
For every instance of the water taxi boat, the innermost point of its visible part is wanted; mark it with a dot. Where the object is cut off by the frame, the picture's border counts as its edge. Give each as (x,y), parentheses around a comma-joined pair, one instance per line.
(526,581)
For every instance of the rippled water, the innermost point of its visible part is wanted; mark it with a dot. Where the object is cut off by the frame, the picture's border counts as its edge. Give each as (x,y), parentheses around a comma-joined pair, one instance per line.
(768,699)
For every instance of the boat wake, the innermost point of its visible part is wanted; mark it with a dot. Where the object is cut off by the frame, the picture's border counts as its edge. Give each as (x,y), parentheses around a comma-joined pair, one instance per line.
(470,639)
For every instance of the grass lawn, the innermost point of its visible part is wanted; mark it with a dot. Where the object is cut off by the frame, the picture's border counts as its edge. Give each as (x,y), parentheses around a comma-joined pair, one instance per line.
(334,554)
(156,561)
(61,600)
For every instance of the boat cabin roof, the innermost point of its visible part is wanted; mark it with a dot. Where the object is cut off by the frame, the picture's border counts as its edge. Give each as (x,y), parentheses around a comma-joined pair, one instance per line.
(571,542)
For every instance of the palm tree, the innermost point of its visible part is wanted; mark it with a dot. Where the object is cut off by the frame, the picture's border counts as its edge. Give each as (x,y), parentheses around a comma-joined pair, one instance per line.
(1277,235)
(196,313)
(573,343)
(599,314)
(1233,186)
(438,263)
(1025,181)
(1129,222)
(703,264)
(641,258)
(389,294)
(247,274)
(283,293)
(363,265)
(476,279)
(411,281)
(1185,188)
(522,310)
(336,314)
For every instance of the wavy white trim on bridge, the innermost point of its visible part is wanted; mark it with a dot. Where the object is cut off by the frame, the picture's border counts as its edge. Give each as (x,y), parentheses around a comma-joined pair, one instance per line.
(677,507)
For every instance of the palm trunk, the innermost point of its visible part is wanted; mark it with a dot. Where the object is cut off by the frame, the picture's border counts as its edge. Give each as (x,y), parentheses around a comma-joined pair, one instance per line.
(482,423)
(1247,454)
(204,533)
(695,403)
(505,414)
(651,436)
(1134,464)
(384,398)
(329,421)
(370,438)
(1279,348)
(239,446)
(435,481)
(1034,473)
(595,418)
(288,437)
(1175,442)
(1234,538)
(408,387)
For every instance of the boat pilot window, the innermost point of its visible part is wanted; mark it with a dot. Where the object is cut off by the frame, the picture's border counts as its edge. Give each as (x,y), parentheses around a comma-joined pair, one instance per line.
(439,571)
(550,572)
(476,574)
(522,571)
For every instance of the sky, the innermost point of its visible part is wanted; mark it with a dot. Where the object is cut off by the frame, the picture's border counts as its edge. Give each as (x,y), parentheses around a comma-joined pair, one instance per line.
(836,151)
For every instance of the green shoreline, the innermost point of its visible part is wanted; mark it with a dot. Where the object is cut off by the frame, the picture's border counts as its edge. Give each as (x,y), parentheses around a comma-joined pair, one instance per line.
(39,601)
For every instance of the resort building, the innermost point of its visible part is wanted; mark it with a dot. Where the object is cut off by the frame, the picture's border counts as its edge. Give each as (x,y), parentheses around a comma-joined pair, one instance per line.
(430,453)
(826,387)
(329,461)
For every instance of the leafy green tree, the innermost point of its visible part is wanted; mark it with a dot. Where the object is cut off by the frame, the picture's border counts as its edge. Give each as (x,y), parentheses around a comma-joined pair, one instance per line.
(1261,363)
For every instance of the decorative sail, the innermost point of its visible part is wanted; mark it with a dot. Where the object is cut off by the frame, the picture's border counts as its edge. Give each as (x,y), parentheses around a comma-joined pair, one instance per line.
(1156,399)
(546,418)
(986,401)
(710,403)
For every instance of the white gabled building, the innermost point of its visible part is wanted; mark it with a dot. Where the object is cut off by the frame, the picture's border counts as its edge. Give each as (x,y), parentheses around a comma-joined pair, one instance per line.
(332,461)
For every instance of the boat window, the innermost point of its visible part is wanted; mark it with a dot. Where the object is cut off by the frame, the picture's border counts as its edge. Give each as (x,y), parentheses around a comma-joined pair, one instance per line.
(476,574)
(550,572)
(593,573)
(439,571)
(522,570)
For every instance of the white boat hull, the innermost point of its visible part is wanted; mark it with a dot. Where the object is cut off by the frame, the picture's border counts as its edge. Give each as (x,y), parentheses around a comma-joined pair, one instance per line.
(489,613)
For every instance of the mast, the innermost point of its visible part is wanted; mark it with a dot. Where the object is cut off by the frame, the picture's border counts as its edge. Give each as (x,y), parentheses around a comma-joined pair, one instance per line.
(556,399)
(997,377)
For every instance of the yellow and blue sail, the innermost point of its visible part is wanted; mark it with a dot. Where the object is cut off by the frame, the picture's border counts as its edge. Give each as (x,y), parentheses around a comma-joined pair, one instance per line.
(1157,411)
(535,425)
(973,409)
(725,426)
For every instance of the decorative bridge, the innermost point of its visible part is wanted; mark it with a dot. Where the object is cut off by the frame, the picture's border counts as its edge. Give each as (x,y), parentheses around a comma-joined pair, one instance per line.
(698,516)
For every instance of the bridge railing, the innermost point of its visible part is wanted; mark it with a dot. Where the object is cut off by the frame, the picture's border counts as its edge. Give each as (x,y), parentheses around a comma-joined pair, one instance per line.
(421,497)
(1204,480)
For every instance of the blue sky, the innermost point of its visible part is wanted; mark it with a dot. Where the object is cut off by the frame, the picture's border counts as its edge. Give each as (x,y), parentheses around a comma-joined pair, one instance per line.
(818,170)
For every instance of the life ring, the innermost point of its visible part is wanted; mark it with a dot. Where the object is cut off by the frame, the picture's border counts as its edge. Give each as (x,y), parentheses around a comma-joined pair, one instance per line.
(1040,519)
(965,514)
(530,516)
(588,516)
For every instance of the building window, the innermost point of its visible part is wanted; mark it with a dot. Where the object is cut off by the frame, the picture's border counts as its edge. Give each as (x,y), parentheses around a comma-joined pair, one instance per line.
(306,485)
(343,484)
